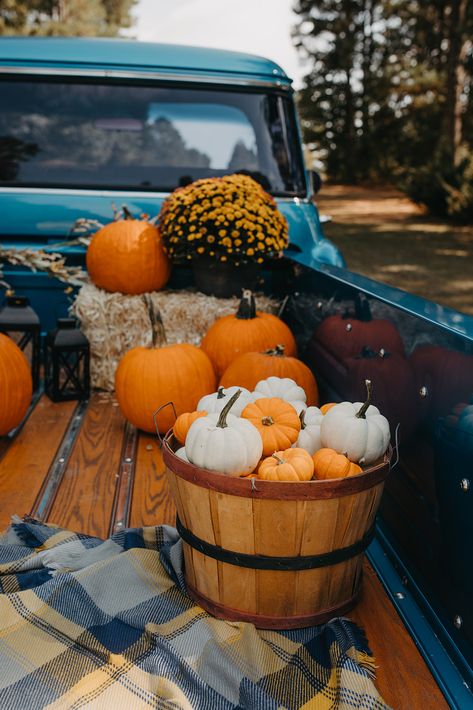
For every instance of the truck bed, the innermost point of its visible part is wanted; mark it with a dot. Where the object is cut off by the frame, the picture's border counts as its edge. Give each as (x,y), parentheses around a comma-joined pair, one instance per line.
(82,467)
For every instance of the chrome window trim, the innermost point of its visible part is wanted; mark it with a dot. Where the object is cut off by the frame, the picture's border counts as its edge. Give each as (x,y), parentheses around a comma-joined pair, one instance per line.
(112,193)
(154,75)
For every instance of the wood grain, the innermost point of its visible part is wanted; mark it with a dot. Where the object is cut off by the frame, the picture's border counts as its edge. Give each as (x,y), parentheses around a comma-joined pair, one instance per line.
(403,678)
(152,503)
(85,497)
(26,461)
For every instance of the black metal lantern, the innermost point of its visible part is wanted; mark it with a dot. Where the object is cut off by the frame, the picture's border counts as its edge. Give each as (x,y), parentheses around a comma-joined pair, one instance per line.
(21,323)
(67,362)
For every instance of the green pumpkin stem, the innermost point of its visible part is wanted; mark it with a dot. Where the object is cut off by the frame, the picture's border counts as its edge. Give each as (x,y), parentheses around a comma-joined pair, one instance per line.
(369,390)
(278,351)
(247,308)
(278,458)
(158,332)
(222,420)
(302,418)
(220,393)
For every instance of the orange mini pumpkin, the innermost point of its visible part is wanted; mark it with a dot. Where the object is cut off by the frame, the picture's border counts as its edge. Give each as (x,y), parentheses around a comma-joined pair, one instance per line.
(183,422)
(128,256)
(16,385)
(290,465)
(277,422)
(329,464)
(247,370)
(248,330)
(327,407)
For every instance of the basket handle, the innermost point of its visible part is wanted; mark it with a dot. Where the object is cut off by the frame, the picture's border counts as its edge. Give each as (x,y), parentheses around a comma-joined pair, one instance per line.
(155,414)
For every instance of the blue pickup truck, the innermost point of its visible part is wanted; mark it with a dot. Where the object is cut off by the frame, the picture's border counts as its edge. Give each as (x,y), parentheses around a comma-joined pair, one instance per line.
(89,124)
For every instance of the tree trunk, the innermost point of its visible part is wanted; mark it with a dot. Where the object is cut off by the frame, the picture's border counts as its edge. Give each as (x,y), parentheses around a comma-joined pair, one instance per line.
(453,118)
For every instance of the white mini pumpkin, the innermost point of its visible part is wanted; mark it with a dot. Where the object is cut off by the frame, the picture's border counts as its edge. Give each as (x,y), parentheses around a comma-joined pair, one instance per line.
(309,435)
(356,429)
(182,454)
(215,402)
(284,388)
(225,443)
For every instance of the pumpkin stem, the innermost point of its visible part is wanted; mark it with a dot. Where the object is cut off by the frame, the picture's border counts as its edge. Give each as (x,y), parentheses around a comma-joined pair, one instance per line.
(267,421)
(278,458)
(302,418)
(222,420)
(157,326)
(126,212)
(220,393)
(247,308)
(278,350)
(369,389)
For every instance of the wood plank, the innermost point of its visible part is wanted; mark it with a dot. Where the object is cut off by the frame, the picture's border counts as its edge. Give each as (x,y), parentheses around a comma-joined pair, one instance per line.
(26,461)
(152,503)
(86,494)
(402,676)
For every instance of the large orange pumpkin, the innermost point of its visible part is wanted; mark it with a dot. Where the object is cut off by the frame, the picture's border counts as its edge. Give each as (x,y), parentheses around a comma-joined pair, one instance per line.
(250,368)
(248,330)
(147,378)
(16,385)
(127,256)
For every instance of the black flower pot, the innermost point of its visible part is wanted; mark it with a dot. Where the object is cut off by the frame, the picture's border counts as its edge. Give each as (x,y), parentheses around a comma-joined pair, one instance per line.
(224,279)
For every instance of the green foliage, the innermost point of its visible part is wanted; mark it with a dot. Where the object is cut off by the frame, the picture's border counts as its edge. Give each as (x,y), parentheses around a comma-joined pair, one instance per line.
(387,95)
(80,18)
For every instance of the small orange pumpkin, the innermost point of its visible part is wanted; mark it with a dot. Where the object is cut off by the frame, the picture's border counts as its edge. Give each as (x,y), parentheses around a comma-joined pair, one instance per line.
(128,256)
(326,407)
(248,330)
(16,385)
(290,465)
(329,464)
(182,424)
(276,420)
(248,369)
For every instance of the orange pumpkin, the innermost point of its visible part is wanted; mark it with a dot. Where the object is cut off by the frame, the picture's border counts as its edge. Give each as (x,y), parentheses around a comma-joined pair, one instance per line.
(16,385)
(147,378)
(329,464)
(182,424)
(128,256)
(326,407)
(247,370)
(248,330)
(290,465)
(276,420)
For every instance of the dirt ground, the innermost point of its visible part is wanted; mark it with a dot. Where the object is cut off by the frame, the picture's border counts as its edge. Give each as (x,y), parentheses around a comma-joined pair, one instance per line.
(385,236)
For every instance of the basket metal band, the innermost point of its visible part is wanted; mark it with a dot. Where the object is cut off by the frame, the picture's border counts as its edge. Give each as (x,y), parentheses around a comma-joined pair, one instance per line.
(242,559)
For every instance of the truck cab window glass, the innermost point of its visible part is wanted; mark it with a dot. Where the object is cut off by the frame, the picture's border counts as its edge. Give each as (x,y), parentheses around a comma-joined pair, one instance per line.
(143,138)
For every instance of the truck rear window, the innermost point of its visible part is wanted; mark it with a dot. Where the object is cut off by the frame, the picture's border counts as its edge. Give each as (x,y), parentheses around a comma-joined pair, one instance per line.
(137,137)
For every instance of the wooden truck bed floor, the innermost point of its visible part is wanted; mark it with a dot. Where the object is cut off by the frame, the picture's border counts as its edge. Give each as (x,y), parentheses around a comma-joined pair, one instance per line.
(81,466)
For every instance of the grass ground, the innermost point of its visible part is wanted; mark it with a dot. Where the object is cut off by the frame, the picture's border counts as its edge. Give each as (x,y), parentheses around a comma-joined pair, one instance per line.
(386,237)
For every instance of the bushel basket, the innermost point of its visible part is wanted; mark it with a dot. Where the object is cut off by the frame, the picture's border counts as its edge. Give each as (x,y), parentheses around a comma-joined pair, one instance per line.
(279,555)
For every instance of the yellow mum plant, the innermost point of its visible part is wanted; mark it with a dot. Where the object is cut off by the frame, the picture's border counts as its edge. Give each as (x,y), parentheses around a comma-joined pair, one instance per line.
(230,218)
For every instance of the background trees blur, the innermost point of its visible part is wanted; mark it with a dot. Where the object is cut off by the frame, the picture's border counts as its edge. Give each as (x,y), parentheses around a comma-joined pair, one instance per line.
(82,18)
(388,95)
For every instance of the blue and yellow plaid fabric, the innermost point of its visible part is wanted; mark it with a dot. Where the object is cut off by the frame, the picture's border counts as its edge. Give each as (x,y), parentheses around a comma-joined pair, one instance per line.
(91,624)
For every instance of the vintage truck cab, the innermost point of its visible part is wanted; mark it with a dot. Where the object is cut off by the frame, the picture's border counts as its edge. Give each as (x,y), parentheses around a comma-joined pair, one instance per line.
(89,124)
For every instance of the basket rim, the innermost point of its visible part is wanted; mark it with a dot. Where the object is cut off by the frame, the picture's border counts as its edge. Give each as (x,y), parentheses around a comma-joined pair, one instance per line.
(276,490)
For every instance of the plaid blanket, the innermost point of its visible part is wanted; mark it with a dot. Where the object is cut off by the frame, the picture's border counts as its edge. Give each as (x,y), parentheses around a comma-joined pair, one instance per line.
(86,623)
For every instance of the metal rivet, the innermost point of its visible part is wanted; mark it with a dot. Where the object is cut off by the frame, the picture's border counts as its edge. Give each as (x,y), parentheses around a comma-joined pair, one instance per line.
(275,71)
(119,524)
(458,621)
(319,305)
(399,595)
(62,459)
(348,327)
(128,460)
(424,391)
(465,484)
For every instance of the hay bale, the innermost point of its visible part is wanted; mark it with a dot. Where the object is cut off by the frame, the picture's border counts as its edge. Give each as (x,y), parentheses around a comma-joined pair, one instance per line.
(114,322)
